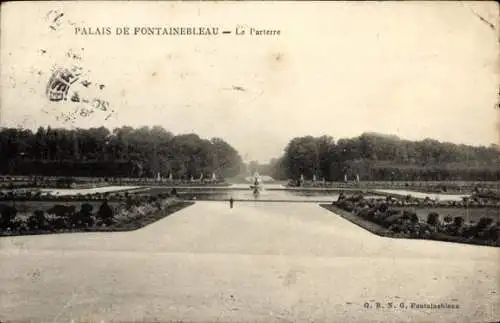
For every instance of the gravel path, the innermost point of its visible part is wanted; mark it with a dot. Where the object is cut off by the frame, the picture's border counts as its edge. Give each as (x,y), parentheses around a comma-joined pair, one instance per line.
(432,196)
(259,262)
(83,191)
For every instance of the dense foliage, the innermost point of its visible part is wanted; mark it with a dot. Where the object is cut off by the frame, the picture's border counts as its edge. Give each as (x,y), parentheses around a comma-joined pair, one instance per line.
(142,152)
(380,157)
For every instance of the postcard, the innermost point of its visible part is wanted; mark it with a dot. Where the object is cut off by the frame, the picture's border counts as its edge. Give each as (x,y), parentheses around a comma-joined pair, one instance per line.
(223,161)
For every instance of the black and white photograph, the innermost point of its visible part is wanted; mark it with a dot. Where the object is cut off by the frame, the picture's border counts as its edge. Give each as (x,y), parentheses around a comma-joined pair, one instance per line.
(249,161)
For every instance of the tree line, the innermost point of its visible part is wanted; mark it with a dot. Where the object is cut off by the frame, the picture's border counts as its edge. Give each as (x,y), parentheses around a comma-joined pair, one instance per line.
(122,152)
(374,156)
(149,151)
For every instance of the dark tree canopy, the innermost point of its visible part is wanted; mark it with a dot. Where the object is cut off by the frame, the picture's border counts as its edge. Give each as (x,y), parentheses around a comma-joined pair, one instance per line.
(380,157)
(124,152)
(149,151)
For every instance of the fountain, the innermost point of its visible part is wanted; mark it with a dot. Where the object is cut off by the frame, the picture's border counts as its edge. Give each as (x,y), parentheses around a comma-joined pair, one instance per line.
(256,186)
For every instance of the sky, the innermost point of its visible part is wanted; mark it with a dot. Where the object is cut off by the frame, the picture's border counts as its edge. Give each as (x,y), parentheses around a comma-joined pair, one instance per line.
(414,69)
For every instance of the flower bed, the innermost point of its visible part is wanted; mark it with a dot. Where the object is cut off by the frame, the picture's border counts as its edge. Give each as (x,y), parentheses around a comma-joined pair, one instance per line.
(380,218)
(134,213)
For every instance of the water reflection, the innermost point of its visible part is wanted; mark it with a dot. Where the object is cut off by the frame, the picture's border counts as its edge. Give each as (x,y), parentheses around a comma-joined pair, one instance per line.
(264,195)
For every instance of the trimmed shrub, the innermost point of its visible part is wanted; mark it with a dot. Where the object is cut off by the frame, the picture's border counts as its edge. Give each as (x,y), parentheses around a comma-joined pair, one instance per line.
(383,207)
(458,221)
(366,213)
(37,221)
(7,216)
(448,219)
(84,218)
(410,216)
(394,218)
(433,219)
(346,205)
(105,213)
(20,224)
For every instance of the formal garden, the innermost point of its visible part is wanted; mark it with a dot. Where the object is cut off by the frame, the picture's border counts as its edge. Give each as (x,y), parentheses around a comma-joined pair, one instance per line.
(459,222)
(128,212)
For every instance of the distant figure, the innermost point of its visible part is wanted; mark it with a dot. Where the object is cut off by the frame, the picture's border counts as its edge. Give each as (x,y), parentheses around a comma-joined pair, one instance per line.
(231,202)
